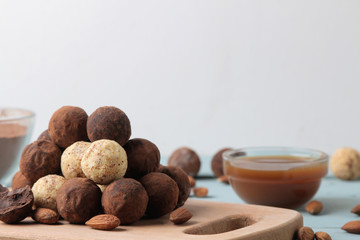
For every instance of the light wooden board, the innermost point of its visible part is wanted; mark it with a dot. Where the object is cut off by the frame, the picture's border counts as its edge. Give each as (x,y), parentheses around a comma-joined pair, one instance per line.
(250,222)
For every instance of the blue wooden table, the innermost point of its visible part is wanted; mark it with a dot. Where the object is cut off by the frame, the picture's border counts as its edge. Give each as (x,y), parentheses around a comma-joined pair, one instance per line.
(338,197)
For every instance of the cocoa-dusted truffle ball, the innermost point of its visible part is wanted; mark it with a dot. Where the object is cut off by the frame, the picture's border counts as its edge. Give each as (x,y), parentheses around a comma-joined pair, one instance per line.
(39,159)
(20,181)
(186,159)
(44,136)
(125,198)
(163,193)
(16,204)
(68,125)
(45,190)
(71,159)
(109,123)
(78,200)
(182,181)
(143,157)
(104,161)
(217,163)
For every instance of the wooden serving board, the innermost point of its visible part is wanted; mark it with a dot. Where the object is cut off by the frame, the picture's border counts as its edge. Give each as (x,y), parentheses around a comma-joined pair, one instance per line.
(211,220)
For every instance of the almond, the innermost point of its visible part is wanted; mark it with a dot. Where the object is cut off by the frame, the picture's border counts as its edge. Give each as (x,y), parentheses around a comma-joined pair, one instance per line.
(352,227)
(322,236)
(314,207)
(45,215)
(305,233)
(192,181)
(200,191)
(356,209)
(180,216)
(223,179)
(103,222)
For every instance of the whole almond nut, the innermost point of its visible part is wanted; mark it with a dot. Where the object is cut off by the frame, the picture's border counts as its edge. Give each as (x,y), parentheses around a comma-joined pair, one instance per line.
(305,233)
(356,209)
(352,227)
(45,215)
(200,191)
(322,236)
(223,179)
(314,207)
(180,216)
(192,181)
(103,222)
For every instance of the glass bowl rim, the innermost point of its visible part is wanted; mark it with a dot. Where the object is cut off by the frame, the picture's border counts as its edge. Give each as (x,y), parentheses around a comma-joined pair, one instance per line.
(320,157)
(26,114)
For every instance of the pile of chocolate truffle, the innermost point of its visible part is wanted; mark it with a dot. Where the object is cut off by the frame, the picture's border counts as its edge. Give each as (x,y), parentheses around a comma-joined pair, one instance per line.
(84,165)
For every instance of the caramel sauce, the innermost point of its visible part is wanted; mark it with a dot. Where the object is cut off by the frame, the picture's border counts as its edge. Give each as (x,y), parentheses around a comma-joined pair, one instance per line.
(280,181)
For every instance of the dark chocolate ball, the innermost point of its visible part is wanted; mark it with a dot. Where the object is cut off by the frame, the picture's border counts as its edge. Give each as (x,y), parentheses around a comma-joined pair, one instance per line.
(125,198)
(182,181)
(163,193)
(143,157)
(78,200)
(20,181)
(186,159)
(109,123)
(68,125)
(39,159)
(217,163)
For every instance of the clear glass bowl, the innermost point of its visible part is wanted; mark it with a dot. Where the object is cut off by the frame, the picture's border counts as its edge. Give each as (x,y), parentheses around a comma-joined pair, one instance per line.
(16,126)
(275,176)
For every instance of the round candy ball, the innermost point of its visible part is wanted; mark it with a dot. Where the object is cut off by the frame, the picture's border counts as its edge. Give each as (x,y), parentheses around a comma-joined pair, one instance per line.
(20,181)
(78,200)
(109,123)
(71,160)
(45,190)
(143,157)
(163,193)
(182,181)
(39,159)
(125,198)
(45,136)
(217,163)
(104,161)
(345,163)
(186,159)
(68,125)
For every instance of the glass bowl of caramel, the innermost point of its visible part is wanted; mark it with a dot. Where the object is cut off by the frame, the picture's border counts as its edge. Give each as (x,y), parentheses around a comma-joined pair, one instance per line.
(16,126)
(275,176)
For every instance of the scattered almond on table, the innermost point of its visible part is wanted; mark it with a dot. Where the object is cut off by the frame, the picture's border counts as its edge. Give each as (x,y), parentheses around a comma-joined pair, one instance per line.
(45,216)
(223,179)
(200,191)
(322,236)
(352,227)
(180,216)
(356,209)
(103,222)
(192,181)
(305,233)
(314,207)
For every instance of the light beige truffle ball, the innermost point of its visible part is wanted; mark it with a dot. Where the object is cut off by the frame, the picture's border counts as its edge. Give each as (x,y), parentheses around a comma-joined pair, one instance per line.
(345,163)
(104,161)
(71,160)
(45,190)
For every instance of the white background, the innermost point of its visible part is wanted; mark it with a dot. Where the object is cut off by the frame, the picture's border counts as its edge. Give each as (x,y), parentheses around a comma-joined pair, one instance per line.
(205,74)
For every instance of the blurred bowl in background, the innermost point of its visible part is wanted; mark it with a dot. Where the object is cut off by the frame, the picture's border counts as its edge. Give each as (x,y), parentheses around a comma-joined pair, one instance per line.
(16,126)
(275,176)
